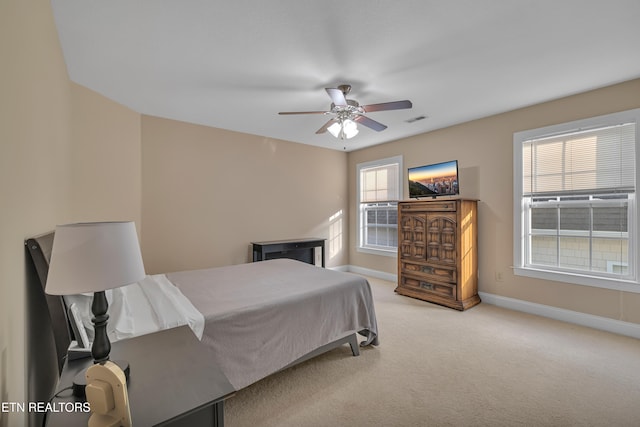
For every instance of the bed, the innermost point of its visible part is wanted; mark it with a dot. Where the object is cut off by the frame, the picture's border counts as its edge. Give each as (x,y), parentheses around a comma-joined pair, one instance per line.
(258,318)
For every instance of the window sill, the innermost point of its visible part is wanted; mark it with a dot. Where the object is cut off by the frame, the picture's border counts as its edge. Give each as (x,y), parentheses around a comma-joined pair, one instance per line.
(392,253)
(578,279)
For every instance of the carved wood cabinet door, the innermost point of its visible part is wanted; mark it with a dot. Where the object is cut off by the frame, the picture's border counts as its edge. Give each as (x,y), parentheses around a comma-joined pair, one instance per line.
(441,237)
(413,237)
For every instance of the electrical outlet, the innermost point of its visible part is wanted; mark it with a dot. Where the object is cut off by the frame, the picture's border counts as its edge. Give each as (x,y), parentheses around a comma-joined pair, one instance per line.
(499,276)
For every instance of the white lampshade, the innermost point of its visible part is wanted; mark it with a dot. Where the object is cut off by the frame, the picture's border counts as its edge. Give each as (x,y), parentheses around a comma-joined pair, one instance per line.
(93,257)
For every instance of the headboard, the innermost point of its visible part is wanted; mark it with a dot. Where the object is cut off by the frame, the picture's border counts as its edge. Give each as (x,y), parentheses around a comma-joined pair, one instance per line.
(48,333)
(39,248)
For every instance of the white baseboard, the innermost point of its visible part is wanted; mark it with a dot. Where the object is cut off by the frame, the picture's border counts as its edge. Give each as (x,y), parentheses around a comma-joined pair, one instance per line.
(589,320)
(597,322)
(373,273)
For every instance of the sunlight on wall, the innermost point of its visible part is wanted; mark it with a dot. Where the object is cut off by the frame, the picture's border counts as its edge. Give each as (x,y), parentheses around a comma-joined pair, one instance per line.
(335,234)
(270,144)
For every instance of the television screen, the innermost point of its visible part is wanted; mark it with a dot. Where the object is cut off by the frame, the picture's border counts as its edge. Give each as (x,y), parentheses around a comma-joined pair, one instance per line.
(440,179)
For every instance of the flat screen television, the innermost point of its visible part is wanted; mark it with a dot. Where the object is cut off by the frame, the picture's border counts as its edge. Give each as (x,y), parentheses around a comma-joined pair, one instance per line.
(438,179)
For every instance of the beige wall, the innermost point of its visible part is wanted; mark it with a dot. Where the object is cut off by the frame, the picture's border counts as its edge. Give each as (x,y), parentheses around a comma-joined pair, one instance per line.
(209,192)
(34,167)
(484,152)
(106,163)
(55,166)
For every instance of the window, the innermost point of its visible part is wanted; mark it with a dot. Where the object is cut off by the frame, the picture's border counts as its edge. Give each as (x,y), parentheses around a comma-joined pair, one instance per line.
(575,202)
(379,190)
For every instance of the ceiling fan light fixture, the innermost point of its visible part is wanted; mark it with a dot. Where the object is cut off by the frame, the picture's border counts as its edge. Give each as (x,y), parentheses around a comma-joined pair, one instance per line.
(349,128)
(345,129)
(335,129)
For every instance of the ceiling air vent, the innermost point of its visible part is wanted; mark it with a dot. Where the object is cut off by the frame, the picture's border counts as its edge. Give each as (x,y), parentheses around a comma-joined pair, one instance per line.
(415,119)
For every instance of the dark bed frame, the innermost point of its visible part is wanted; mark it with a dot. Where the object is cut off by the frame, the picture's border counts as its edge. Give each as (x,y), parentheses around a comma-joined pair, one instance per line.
(40,250)
(48,330)
(50,333)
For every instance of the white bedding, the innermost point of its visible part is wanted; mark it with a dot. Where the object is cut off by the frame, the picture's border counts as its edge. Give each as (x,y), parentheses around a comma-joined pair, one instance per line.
(150,305)
(170,307)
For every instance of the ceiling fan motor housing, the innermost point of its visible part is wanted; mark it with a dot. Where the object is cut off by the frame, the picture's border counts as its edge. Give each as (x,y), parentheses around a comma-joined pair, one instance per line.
(345,89)
(348,111)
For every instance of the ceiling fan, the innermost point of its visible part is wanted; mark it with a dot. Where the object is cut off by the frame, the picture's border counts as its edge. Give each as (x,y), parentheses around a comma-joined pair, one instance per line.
(348,112)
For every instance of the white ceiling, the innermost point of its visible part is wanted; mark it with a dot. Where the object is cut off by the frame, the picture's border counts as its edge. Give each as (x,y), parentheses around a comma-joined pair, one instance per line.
(236,64)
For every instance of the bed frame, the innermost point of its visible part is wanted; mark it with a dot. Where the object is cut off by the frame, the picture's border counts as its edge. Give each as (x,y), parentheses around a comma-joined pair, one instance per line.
(50,319)
(40,250)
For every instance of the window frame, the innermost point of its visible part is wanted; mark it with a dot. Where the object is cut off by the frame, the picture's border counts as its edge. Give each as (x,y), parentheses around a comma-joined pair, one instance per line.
(360,223)
(584,277)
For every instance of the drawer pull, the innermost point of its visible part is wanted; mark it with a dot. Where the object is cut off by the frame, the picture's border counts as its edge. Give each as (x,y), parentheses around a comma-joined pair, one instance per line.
(429,270)
(425,285)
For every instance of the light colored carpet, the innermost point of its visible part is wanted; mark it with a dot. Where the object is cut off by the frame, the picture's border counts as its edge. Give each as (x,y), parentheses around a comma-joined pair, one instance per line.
(435,366)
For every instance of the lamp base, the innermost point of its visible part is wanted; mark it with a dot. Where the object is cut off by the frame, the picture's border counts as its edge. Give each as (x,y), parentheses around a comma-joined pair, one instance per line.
(80,380)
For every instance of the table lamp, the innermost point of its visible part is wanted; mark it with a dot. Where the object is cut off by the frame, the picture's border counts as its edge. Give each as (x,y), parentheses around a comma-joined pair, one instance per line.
(94,257)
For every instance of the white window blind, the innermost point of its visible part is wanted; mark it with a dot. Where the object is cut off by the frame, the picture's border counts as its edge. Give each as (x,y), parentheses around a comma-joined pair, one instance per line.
(379,183)
(599,160)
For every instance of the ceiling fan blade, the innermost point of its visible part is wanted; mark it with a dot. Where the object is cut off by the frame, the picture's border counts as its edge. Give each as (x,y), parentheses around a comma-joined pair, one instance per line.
(303,112)
(324,128)
(337,96)
(366,121)
(396,105)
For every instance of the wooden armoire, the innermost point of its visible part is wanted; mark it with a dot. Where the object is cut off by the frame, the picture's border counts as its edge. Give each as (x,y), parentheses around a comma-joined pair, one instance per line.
(438,251)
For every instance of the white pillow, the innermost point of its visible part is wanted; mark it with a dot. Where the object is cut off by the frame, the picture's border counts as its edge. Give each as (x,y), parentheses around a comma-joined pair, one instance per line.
(120,324)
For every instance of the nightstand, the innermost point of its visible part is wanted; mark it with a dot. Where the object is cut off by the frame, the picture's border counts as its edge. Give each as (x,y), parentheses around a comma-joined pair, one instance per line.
(173,382)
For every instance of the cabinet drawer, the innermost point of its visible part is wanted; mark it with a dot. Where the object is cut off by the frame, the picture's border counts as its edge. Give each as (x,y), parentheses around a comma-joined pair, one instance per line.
(430,272)
(450,205)
(429,286)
